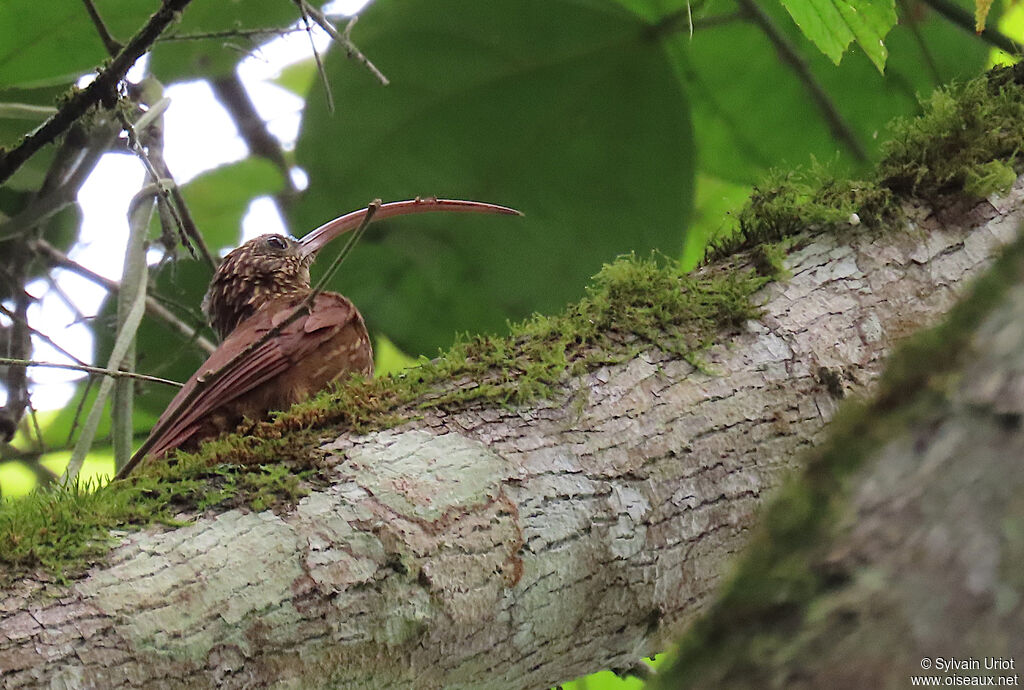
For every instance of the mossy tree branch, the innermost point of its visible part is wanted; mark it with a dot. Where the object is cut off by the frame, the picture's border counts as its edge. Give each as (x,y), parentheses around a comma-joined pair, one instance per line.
(476,541)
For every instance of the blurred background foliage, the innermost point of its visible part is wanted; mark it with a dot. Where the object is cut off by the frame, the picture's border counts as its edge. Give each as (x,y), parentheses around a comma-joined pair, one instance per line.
(615,126)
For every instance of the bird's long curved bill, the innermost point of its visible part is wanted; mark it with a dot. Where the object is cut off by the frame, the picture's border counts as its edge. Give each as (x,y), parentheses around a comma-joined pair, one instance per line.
(316,240)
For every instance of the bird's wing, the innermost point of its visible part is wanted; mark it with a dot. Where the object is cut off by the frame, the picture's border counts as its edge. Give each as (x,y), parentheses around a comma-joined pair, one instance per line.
(296,341)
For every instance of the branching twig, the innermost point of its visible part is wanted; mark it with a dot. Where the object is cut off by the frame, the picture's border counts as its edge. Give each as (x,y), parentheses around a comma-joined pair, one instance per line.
(231,33)
(343,38)
(113,46)
(39,334)
(101,89)
(791,56)
(169,193)
(113,373)
(303,9)
(206,379)
(74,162)
(153,307)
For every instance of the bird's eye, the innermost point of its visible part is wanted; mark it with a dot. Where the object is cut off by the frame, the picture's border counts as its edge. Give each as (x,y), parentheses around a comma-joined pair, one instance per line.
(276,242)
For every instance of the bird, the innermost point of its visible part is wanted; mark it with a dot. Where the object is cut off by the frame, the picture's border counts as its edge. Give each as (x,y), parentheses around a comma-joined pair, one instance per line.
(281,340)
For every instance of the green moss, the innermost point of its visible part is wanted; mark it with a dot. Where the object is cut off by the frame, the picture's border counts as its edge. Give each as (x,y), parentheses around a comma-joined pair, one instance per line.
(962,130)
(632,304)
(787,204)
(63,530)
(966,141)
(783,571)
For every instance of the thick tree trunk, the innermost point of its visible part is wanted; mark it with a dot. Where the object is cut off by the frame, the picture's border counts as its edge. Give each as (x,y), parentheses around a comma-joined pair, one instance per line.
(511,547)
(914,574)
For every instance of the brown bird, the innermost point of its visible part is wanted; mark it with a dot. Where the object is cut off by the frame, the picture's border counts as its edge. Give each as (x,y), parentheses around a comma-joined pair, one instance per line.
(259,287)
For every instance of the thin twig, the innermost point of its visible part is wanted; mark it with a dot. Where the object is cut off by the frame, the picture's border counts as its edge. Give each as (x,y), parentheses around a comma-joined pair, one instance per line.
(113,373)
(169,194)
(153,307)
(113,46)
(206,379)
(351,50)
(231,33)
(77,418)
(40,443)
(962,18)
(39,334)
(102,89)
(304,11)
(791,56)
(74,162)
(926,54)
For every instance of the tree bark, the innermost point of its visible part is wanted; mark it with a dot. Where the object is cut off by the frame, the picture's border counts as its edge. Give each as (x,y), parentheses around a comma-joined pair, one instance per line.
(512,547)
(915,575)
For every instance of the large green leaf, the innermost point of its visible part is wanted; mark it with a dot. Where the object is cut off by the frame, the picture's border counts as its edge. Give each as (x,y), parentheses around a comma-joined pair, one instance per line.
(566,110)
(833,24)
(751,112)
(44,43)
(55,41)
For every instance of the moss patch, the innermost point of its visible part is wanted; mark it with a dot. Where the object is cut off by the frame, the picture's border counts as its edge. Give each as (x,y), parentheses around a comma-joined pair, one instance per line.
(62,530)
(631,305)
(784,570)
(967,141)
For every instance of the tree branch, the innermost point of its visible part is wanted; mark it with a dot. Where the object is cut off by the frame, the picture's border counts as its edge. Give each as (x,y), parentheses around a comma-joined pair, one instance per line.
(153,308)
(113,373)
(529,544)
(102,89)
(963,19)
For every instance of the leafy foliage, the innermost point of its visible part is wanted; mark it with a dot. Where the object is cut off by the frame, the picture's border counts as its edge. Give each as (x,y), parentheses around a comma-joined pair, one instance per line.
(498,113)
(834,24)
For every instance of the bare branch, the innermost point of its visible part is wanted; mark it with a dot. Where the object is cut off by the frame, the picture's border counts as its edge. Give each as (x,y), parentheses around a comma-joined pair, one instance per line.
(962,18)
(169,194)
(103,89)
(113,46)
(343,38)
(113,373)
(153,308)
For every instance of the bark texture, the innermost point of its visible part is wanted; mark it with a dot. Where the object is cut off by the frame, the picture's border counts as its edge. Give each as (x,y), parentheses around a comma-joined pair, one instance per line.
(925,562)
(511,547)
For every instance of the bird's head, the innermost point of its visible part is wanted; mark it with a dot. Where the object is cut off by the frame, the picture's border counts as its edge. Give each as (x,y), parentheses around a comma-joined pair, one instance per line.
(263,268)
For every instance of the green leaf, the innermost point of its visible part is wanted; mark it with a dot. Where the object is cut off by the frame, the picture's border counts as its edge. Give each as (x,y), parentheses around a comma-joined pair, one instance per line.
(586,131)
(833,24)
(752,113)
(219,198)
(46,43)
